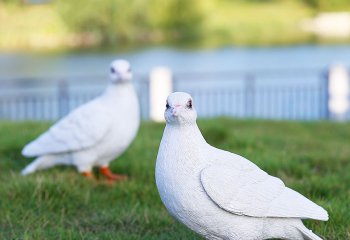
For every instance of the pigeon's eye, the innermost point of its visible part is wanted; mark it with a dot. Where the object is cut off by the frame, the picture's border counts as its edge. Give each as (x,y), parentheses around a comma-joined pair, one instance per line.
(189,104)
(112,70)
(167,105)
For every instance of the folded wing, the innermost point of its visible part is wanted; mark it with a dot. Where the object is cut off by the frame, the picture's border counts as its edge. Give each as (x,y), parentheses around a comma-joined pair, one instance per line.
(82,128)
(255,193)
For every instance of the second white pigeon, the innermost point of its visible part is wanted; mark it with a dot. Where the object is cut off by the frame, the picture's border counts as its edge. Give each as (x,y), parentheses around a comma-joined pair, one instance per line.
(221,195)
(95,133)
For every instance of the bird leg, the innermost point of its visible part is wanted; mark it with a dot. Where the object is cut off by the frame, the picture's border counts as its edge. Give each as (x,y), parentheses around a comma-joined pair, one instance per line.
(111,176)
(87,174)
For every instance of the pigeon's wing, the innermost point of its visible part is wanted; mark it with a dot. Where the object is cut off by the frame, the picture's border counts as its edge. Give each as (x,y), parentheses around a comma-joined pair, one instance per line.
(254,193)
(82,128)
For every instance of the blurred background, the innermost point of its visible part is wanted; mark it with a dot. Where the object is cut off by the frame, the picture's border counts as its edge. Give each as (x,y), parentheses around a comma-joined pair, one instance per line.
(244,59)
(271,59)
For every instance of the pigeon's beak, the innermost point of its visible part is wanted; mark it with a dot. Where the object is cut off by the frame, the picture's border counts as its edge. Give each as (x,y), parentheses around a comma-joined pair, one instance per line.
(175,110)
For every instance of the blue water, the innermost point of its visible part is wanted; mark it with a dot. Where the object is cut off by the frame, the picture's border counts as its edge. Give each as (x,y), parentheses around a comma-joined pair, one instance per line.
(27,65)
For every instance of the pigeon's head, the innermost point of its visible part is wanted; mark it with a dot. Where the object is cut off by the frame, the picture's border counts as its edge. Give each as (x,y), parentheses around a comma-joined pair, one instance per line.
(120,71)
(180,109)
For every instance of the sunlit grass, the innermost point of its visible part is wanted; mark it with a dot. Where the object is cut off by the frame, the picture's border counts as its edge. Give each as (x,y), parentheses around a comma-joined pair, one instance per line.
(313,158)
(225,23)
(30,27)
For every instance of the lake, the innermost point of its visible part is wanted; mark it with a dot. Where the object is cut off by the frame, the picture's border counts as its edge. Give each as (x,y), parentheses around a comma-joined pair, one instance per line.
(29,65)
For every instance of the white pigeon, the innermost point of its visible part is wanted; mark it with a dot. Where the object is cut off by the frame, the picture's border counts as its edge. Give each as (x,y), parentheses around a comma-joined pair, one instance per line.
(93,134)
(221,195)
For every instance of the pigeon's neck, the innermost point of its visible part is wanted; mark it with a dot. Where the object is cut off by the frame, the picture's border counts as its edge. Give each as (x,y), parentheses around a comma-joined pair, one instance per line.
(181,145)
(184,133)
(119,88)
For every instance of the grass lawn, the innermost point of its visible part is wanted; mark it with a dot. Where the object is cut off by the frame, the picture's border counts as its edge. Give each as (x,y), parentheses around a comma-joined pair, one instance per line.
(312,158)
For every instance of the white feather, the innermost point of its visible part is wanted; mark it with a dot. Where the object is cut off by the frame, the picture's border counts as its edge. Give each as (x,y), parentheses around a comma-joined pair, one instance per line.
(82,128)
(257,194)
(221,195)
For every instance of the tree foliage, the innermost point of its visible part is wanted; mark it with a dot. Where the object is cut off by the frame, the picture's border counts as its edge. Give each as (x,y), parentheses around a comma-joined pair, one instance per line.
(321,5)
(328,4)
(137,20)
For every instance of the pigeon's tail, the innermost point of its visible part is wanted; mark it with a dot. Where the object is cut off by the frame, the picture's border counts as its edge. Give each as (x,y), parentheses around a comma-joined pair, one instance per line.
(44,162)
(308,234)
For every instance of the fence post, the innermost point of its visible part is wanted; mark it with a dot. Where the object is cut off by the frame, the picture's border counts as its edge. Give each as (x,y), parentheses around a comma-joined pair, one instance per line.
(324,95)
(63,98)
(160,86)
(338,92)
(249,98)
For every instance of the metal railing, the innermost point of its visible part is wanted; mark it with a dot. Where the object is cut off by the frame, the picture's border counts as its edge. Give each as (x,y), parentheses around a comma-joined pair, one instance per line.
(271,94)
(275,94)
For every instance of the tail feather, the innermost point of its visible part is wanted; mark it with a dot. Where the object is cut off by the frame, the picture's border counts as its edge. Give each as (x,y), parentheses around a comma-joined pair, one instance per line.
(31,168)
(44,162)
(308,234)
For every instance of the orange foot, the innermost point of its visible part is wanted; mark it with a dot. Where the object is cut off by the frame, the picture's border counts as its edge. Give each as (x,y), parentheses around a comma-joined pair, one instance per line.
(87,175)
(111,176)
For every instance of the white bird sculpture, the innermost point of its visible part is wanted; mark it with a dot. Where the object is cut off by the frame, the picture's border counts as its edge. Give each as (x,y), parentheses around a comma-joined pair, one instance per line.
(221,195)
(93,134)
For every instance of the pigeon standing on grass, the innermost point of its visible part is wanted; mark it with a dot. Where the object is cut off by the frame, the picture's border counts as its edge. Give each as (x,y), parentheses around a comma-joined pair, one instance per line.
(93,134)
(221,195)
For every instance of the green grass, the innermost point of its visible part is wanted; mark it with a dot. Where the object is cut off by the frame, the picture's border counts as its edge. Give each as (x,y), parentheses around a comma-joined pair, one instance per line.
(312,158)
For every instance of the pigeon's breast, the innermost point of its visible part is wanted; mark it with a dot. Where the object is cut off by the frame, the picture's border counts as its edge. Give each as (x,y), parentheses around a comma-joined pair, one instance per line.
(181,191)
(178,182)
(125,116)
